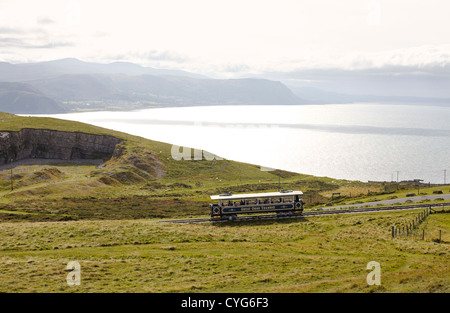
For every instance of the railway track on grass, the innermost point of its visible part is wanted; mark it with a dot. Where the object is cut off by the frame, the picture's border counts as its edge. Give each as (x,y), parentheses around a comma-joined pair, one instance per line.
(310,214)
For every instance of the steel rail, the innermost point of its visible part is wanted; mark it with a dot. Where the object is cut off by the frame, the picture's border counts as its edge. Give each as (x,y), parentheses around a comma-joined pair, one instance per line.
(310,214)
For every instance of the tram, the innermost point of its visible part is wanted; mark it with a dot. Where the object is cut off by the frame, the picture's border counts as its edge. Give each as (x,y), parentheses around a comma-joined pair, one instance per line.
(230,205)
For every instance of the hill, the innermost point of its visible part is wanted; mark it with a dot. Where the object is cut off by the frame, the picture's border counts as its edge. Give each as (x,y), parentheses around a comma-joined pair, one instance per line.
(137,167)
(23,98)
(126,86)
(164,90)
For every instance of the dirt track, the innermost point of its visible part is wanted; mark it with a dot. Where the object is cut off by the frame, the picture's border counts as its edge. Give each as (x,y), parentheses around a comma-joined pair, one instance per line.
(46,161)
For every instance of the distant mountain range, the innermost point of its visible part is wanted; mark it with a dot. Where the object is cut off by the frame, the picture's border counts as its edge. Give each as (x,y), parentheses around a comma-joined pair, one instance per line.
(71,85)
(313,95)
(165,90)
(33,71)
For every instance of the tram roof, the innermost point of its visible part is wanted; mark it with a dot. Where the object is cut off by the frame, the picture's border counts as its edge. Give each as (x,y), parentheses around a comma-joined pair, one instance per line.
(256,195)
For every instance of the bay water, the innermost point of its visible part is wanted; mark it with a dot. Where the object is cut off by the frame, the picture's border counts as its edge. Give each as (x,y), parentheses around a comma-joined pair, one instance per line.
(366,142)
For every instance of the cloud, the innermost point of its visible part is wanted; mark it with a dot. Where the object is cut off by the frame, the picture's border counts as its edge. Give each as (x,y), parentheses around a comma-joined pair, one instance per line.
(421,57)
(422,71)
(432,56)
(152,58)
(52,45)
(156,55)
(10,30)
(26,43)
(45,21)
(19,39)
(388,80)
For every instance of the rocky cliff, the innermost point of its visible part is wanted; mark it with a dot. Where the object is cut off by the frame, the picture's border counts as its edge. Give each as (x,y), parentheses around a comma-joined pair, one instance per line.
(51,144)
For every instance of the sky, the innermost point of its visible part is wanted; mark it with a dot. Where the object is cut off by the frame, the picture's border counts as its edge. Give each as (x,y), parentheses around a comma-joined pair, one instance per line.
(233,38)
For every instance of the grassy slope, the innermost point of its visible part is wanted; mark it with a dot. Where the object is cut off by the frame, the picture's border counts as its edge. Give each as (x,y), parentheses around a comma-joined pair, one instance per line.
(139,149)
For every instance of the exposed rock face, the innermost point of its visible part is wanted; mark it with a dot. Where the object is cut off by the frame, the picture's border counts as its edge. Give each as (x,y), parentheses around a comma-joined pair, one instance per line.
(51,144)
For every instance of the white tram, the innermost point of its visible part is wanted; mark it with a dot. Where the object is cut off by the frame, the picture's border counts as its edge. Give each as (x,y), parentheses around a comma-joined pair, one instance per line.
(283,202)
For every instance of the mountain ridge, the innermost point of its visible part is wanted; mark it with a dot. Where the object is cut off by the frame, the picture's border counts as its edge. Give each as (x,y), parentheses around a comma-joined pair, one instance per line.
(39,70)
(74,85)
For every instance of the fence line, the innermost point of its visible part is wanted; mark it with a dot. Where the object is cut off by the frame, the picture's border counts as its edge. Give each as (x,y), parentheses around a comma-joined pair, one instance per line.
(409,228)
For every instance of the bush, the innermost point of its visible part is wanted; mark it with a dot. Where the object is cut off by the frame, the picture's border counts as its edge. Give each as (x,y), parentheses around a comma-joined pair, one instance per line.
(411,194)
(438,192)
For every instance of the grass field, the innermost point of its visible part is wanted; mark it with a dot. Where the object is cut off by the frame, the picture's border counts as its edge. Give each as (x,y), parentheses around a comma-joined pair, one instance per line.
(319,254)
(107,219)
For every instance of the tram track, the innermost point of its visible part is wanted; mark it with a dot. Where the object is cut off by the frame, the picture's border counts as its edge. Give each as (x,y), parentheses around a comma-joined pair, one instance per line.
(309,214)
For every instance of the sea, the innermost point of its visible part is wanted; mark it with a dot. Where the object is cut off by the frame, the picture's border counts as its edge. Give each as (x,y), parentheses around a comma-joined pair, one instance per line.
(358,141)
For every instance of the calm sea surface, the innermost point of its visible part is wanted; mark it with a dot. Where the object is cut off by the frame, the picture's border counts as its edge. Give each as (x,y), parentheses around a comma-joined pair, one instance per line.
(346,141)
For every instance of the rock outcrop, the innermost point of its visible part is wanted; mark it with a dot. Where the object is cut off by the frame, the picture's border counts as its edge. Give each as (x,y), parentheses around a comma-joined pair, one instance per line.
(51,144)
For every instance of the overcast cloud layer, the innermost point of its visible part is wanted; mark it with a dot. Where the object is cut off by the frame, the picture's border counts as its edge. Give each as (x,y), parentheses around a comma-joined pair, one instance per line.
(234,38)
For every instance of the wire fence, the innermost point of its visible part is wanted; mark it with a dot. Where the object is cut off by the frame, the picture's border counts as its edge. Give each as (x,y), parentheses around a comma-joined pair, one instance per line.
(417,227)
